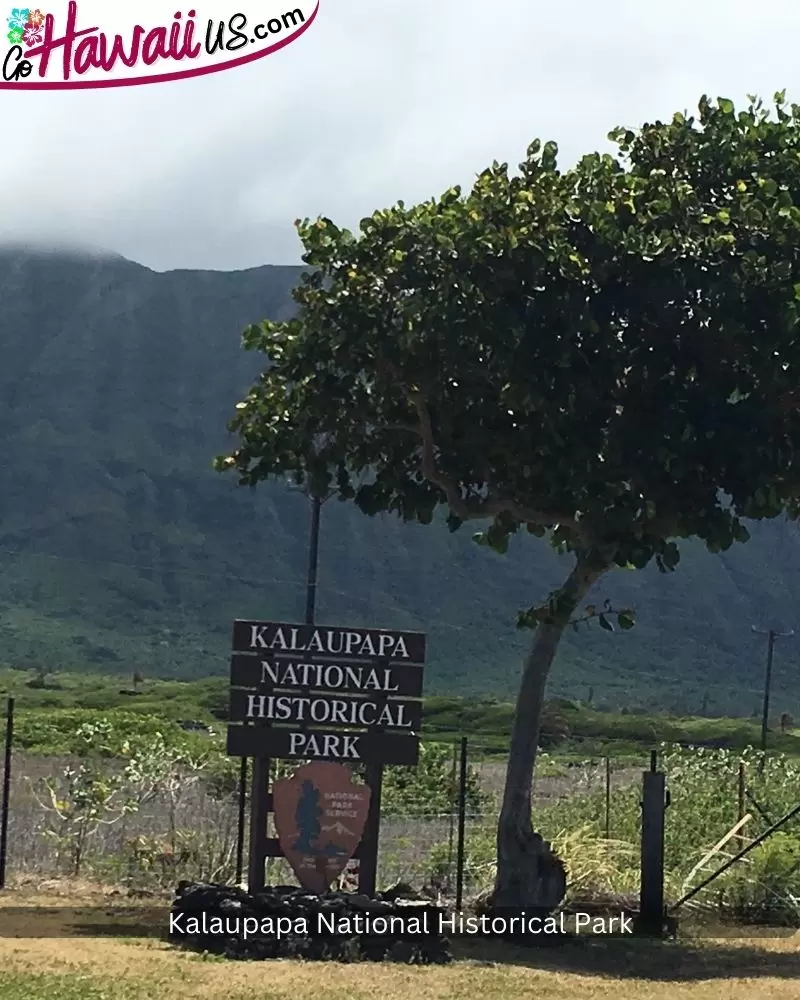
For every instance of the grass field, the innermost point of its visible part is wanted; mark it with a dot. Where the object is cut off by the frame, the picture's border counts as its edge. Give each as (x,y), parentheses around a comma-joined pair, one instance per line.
(573,729)
(120,951)
(112,965)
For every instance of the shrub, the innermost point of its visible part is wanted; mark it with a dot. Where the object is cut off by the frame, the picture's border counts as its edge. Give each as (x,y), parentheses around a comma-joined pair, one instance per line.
(764,887)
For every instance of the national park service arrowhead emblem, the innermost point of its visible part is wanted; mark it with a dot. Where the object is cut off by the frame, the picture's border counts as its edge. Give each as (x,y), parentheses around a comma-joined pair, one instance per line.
(320,815)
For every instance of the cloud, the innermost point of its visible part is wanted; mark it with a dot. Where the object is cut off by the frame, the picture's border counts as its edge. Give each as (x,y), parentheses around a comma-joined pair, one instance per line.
(376,102)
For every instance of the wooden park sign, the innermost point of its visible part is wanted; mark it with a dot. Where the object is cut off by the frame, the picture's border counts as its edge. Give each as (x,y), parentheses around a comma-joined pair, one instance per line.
(320,815)
(313,692)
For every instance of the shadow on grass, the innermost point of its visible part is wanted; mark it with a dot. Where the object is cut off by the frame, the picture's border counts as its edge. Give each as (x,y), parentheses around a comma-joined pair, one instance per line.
(93,921)
(693,960)
(118,929)
(694,957)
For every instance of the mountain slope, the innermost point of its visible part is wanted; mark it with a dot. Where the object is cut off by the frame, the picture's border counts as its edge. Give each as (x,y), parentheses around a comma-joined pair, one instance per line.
(120,548)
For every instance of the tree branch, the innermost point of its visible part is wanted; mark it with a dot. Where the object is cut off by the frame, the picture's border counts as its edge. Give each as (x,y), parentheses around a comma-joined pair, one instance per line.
(468,510)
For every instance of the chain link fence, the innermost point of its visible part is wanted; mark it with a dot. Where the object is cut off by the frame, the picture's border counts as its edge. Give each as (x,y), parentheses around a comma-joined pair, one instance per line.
(589,809)
(191,831)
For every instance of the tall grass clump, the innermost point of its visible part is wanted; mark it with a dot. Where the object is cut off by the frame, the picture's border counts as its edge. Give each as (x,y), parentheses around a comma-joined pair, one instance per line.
(704,804)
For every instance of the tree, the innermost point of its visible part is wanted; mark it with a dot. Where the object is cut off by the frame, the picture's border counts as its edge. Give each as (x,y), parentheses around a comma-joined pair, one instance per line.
(606,356)
(39,679)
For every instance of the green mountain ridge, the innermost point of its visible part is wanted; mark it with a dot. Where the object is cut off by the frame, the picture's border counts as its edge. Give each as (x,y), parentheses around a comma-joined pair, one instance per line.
(122,549)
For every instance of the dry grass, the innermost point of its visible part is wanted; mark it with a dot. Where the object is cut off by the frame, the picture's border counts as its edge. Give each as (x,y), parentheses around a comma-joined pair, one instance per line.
(106,965)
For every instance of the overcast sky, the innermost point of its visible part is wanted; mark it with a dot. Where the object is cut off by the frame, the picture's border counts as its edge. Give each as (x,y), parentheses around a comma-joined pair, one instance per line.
(379,100)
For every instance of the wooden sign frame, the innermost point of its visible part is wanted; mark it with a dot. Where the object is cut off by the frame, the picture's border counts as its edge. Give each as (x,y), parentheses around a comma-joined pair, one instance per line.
(274,660)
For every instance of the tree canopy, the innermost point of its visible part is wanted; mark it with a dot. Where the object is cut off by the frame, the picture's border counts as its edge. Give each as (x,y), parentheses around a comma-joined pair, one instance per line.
(608,352)
(606,355)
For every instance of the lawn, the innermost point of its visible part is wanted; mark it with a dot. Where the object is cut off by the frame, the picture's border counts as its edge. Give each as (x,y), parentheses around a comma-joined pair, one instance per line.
(107,965)
(49,958)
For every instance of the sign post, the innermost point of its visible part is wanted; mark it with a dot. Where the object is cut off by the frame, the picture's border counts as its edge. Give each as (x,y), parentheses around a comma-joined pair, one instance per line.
(259,816)
(319,693)
(368,869)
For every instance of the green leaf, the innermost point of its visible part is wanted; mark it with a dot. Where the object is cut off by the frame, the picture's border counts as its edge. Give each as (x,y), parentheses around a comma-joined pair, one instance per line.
(725,105)
(625,621)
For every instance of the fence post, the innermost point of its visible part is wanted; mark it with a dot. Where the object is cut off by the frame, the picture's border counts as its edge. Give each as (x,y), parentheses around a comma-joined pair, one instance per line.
(453,810)
(462,816)
(608,798)
(741,794)
(6,791)
(654,803)
(240,829)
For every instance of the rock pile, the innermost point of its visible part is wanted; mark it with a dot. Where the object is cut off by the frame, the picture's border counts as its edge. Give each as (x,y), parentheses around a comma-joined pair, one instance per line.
(284,922)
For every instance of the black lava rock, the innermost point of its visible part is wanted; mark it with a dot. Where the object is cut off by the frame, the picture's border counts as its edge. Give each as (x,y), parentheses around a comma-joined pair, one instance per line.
(284,921)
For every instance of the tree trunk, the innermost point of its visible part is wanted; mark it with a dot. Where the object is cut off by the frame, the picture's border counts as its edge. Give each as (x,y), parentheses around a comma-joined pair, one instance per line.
(529,875)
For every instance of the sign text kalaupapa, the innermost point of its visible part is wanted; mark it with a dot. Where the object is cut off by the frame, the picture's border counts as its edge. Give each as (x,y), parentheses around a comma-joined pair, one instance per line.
(365,644)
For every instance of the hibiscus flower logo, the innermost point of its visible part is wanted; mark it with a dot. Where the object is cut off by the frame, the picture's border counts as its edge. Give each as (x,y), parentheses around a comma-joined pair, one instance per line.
(32,35)
(25,26)
(19,18)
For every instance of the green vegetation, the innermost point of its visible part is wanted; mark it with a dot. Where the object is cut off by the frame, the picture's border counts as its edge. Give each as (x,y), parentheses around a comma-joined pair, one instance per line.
(119,381)
(575,730)
(46,719)
(604,357)
(90,691)
(75,986)
(704,806)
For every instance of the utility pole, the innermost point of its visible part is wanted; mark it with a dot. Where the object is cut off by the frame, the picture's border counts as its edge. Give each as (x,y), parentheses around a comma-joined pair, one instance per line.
(316,503)
(313,560)
(772,635)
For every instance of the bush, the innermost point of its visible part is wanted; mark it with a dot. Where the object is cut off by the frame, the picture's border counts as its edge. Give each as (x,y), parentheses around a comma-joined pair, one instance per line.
(703,785)
(430,788)
(764,887)
(593,863)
